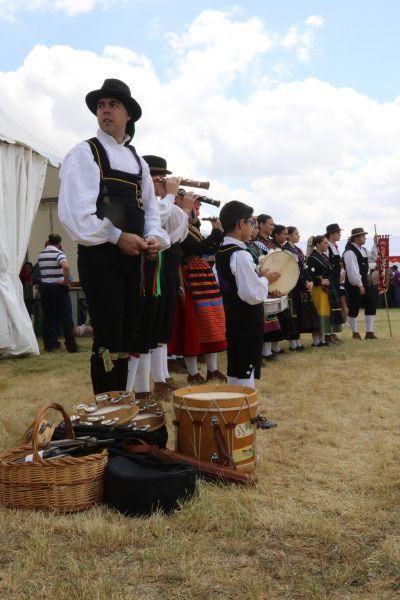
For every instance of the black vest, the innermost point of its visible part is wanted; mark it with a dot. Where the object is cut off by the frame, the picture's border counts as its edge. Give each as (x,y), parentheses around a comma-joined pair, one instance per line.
(120,193)
(235,309)
(334,259)
(363,264)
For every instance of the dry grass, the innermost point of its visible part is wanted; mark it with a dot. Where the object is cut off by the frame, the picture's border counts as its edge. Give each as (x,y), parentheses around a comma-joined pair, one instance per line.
(323,522)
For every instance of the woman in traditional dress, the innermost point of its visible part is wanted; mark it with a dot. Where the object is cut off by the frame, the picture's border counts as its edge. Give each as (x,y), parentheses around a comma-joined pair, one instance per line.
(323,293)
(265,228)
(300,296)
(272,328)
(199,323)
(288,319)
(252,246)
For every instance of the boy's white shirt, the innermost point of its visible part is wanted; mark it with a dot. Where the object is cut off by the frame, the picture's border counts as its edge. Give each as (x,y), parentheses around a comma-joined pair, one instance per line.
(251,288)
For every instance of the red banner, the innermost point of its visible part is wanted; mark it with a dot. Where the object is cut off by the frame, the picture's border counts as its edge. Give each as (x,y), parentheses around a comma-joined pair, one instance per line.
(383,262)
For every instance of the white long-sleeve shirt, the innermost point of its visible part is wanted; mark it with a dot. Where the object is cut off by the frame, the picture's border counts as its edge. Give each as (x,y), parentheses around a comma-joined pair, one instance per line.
(80,180)
(251,288)
(174,220)
(351,263)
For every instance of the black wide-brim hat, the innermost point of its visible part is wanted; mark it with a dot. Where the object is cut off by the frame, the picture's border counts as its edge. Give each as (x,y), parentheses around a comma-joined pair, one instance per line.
(332,228)
(358,231)
(157,164)
(115,88)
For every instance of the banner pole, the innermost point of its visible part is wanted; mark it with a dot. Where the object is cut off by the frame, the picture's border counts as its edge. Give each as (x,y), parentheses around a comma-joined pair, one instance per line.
(384,293)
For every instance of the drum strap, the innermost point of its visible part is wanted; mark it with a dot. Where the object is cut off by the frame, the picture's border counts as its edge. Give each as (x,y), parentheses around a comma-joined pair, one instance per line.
(222,449)
(211,470)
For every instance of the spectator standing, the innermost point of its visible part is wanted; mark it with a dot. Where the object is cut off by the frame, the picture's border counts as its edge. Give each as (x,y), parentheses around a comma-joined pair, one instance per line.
(54,295)
(396,285)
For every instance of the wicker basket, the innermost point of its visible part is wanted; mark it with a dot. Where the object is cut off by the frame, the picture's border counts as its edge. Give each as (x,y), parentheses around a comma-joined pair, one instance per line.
(64,484)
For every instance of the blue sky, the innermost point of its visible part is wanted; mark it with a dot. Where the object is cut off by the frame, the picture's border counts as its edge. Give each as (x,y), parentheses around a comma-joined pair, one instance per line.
(359,47)
(291,105)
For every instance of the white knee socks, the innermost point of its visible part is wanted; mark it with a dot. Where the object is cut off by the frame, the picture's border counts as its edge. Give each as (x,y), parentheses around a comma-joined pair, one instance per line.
(236,381)
(316,339)
(157,364)
(266,350)
(369,323)
(191,364)
(133,364)
(353,324)
(142,379)
(164,348)
(211,361)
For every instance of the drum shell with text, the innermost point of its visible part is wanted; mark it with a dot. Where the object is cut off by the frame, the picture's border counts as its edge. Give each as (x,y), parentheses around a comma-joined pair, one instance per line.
(234,407)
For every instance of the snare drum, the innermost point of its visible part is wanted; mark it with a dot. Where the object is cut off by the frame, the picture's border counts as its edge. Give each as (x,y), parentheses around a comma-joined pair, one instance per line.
(273,306)
(216,423)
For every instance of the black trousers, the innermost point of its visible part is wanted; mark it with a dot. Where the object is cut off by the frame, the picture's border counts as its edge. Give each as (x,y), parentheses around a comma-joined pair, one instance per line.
(164,319)
(111,282)
(355,300)
(56,307)
(244,336)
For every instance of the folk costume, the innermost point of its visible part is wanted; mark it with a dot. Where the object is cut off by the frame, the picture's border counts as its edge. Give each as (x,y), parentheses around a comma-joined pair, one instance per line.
(272,327)
(334,259)
(199,322)
(300,301)
(356,259)
(159,311)
(255,251)
(326,300)
(243,294)
(106,189)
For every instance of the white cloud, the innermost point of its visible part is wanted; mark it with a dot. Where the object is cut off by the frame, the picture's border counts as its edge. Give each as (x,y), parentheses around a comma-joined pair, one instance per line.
(315,21)
(10,8)
(306,151)
(302,41)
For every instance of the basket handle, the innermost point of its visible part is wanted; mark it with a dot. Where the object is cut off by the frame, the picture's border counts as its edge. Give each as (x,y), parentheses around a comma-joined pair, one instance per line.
(35,433)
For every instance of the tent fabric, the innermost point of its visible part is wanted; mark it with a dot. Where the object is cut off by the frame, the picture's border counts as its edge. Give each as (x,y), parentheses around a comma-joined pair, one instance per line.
(22,176)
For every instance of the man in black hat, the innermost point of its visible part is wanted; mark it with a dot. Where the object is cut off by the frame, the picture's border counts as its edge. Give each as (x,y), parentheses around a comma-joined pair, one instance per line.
(360,291)
(159,312)
(107,204)
(333,234)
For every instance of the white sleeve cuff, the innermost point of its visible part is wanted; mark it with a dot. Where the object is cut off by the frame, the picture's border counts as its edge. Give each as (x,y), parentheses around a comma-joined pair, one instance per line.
(114,233)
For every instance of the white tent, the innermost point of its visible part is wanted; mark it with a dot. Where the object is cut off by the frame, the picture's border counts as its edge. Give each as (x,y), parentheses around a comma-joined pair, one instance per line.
(28,172)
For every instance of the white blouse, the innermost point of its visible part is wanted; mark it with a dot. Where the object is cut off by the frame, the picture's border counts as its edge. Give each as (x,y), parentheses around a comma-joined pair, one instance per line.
(80,180)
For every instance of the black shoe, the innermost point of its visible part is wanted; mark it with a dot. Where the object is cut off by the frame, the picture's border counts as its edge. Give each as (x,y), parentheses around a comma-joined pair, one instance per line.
(264,423)
(300,348)
(270,357)
(72,348)
(281,351)
(52,348)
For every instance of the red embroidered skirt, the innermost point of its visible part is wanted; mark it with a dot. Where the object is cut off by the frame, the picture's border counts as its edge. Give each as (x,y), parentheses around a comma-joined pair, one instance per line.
(199,322)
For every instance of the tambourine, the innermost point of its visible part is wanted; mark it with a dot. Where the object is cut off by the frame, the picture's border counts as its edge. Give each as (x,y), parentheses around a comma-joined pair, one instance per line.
(110,408)
(285,264)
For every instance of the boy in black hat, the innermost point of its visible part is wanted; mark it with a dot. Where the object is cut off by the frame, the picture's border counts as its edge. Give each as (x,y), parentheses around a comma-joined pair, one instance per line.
(107,204)
(360,291)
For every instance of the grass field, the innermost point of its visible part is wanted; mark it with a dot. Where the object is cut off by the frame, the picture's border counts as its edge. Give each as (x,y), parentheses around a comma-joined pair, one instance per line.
(322,523)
